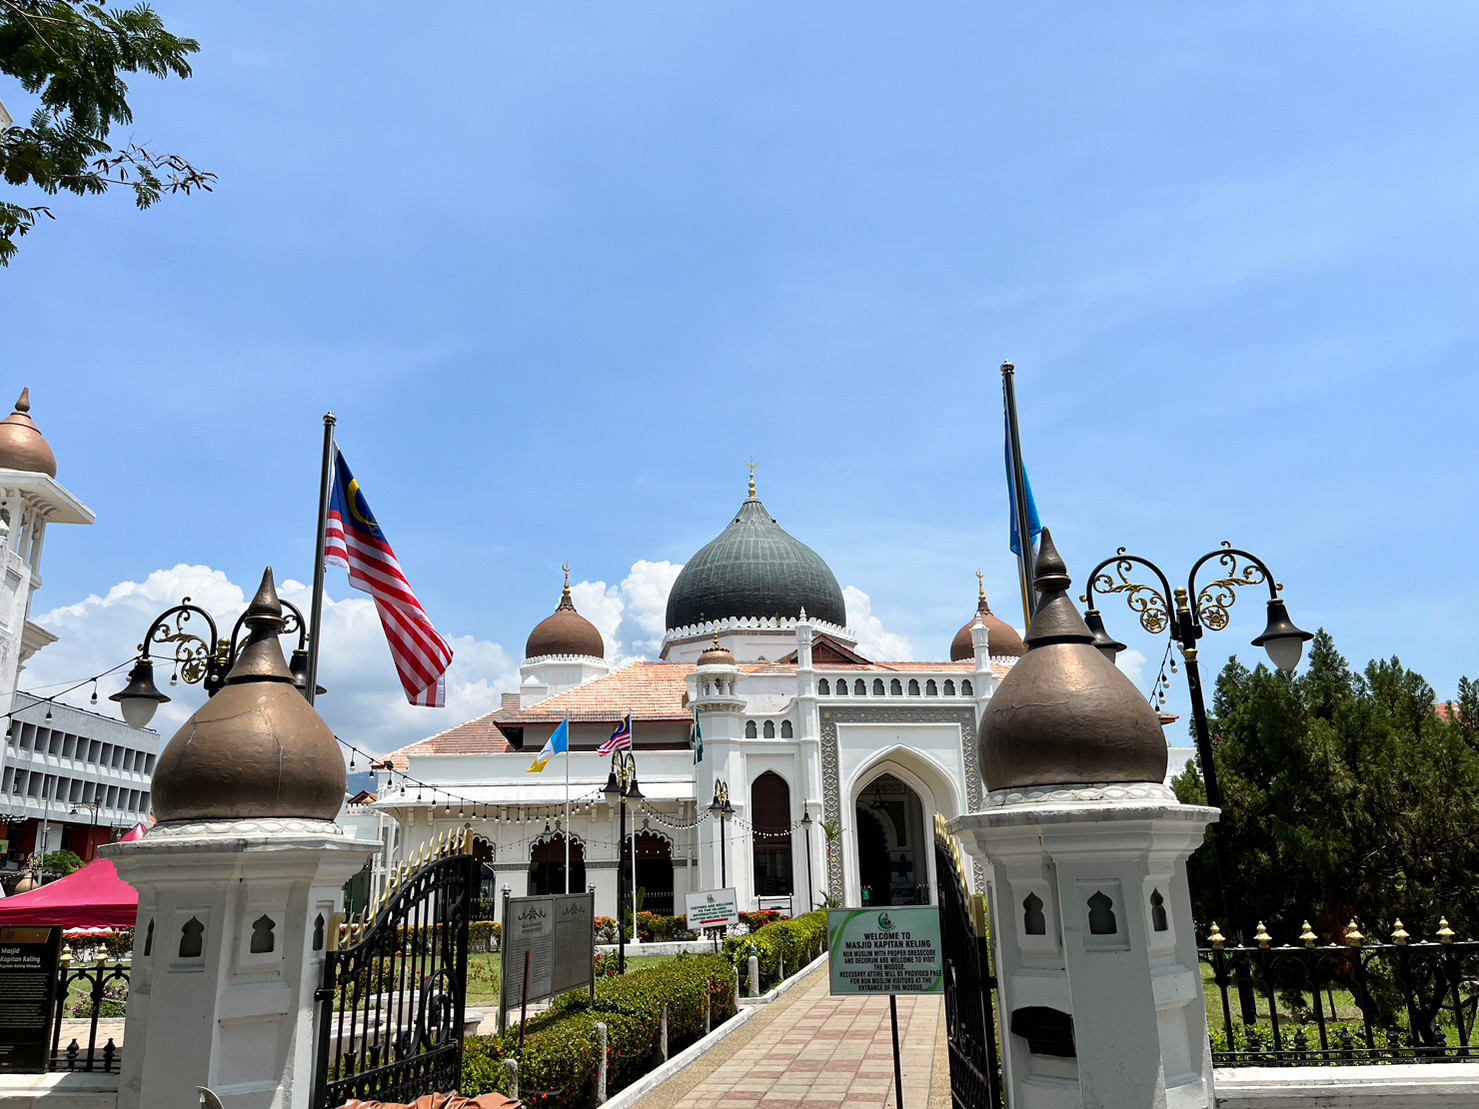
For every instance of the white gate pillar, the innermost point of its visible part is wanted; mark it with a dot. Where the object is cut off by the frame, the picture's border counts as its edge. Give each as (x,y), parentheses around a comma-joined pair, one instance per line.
(238,886)
(1101,991)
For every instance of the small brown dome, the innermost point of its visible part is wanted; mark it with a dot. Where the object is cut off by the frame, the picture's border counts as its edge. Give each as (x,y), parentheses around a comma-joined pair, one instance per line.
(1002,640)
(22,446)
(1064,714)
(716,655)
(257,748)
(565,632)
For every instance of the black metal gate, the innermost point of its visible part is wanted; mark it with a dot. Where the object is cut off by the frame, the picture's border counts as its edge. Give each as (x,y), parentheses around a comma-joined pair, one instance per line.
(395,982)
(970,985)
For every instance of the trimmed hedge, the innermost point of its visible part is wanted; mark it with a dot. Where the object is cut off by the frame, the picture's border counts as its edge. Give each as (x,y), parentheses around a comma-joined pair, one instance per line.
(652,927)
(559,1064)
(794,941)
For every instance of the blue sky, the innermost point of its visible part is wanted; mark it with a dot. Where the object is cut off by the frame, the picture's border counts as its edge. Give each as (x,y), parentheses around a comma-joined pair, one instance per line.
(560,269)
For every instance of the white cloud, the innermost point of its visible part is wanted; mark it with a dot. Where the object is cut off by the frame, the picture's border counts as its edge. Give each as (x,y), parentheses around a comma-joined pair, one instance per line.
(365,704)
(874,641)
(629,616)
(1132,665)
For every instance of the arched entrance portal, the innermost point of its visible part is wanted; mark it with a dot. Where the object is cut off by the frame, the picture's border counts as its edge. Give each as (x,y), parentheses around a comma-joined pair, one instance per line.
(893,863)
(654,872)
(770,802)
(547,865)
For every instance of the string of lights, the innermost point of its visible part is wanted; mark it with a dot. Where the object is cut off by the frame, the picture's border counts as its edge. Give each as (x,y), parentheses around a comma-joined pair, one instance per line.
(1162,684)
(54,698)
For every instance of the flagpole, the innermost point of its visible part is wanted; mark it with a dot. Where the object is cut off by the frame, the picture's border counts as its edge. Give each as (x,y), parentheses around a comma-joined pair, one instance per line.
(1019,495)
(632,739)
(316,618)
(567,812)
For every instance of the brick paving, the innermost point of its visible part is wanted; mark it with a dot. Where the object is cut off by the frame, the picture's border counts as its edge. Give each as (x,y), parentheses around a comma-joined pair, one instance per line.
(809,1050)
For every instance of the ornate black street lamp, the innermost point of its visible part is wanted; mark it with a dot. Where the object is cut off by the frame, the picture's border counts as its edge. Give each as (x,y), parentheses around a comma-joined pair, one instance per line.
(806,823)
(621,787)
(722,811)
(92,807)
(1170,610)
(198,659)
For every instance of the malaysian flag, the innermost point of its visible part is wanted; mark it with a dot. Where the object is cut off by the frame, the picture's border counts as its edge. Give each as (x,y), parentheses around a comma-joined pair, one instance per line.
(621,738)
(354,541)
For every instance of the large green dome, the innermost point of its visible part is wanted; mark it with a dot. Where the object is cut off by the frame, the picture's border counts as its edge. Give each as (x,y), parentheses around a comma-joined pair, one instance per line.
(754,568)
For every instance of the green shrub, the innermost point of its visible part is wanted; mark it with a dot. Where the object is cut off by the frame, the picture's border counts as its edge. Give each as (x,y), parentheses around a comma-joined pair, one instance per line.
(756,921)
(652,927)
(113,1003)
(559,1064)
(483,936)
(791,942)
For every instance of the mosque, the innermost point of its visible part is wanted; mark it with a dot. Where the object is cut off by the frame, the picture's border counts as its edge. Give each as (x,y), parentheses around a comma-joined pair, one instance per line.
(833,765)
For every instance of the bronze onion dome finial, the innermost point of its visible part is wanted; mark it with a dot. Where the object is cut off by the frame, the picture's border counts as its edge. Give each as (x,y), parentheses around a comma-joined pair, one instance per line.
(1064,715)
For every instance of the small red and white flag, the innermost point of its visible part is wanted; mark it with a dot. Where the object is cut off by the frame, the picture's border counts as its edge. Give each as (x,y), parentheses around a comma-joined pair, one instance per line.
(354,541)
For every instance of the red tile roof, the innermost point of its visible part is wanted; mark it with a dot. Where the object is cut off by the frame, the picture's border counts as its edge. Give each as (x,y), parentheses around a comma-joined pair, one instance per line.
(650,691)
(476,737)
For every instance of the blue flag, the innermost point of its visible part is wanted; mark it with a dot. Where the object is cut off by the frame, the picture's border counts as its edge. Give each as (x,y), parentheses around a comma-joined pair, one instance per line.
(1034,524)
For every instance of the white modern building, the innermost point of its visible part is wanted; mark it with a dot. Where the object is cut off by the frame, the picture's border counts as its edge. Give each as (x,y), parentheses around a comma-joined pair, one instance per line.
(72,780)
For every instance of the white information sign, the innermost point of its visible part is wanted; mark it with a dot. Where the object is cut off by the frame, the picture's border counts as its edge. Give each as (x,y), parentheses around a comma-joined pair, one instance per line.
(712,909)
(894,950)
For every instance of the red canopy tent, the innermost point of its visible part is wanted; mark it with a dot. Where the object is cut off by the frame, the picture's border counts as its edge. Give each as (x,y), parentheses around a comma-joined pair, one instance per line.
(93,897)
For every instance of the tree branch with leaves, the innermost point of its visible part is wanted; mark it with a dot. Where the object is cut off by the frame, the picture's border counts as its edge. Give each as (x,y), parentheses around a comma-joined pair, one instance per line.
(72,57)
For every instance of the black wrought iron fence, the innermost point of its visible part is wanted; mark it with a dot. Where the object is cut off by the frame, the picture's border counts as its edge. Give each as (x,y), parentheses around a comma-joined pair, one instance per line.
(96,992)
(1403,1001)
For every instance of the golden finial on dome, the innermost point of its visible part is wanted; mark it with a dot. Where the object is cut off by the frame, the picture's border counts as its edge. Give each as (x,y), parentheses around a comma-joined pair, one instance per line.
(980,577)
(752,466)
(566,568)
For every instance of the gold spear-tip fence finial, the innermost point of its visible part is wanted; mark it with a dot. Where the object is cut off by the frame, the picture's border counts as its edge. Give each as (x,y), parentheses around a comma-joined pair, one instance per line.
(1308,935)
(752,466)
(1261,936)
(1353,937)
(1445,933)
(1399,934)
(1215,937)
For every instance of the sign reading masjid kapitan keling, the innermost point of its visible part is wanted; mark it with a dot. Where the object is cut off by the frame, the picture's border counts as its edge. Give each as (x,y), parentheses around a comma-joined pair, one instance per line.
(885,951)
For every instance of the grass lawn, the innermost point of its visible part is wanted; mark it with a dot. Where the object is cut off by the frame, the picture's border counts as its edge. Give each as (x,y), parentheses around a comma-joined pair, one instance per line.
(483,976)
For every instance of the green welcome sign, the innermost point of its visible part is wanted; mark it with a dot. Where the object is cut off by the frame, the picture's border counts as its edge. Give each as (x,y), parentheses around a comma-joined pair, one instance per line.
(885,951)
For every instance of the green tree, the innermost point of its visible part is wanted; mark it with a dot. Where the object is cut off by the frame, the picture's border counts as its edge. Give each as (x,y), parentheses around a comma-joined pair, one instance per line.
(59,864)
(1346,795)
(72,56)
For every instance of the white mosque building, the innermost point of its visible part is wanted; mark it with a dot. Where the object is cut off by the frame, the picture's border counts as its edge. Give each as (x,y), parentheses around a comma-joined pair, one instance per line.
(834,764)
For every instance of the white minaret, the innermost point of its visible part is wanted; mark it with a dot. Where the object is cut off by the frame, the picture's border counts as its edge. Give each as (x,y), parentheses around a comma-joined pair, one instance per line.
(1101,991)
(30,500)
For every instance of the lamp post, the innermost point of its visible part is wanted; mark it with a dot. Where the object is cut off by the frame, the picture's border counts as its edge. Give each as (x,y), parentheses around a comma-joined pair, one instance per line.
(1171,610)
(722,811)
(621,787)
(201,660)
(806,823)
(92,807)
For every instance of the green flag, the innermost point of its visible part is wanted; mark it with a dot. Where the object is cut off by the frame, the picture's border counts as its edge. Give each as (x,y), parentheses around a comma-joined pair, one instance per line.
(698,741)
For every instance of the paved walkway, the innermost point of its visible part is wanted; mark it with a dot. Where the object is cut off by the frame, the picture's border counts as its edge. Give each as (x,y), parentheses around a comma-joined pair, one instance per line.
(809,1050)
